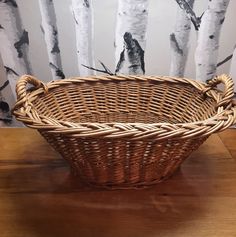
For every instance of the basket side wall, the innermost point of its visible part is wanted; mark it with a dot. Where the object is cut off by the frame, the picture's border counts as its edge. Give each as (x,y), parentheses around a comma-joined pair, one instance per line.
(122,162)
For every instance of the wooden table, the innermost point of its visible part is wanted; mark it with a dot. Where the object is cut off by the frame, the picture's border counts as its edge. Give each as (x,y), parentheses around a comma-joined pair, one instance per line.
(38,198)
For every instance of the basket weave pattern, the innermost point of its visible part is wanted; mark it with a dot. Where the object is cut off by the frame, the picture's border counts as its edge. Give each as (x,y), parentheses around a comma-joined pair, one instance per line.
(125,130)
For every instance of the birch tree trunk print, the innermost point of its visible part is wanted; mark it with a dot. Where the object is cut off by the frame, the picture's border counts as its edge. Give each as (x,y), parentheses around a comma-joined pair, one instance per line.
(5,120)
(187,7)
(7,100)
(130,38)
(179,41)
(49,29)
(4,106)
(83,19)
(14,42)
(206,54)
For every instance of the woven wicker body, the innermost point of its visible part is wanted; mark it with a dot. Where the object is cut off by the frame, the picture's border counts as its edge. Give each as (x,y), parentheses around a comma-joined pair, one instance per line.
(125,131)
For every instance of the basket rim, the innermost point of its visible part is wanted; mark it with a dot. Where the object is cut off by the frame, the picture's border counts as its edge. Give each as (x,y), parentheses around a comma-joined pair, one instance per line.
(224,117)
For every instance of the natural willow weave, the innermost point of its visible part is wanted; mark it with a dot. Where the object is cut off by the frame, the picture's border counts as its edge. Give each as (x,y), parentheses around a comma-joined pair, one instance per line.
(125,130)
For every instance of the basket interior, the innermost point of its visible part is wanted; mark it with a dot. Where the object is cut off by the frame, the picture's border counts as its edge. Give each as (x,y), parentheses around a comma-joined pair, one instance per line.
(126,102)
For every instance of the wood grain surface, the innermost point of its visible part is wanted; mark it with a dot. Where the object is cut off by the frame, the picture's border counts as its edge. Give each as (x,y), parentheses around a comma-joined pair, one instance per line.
(39,198)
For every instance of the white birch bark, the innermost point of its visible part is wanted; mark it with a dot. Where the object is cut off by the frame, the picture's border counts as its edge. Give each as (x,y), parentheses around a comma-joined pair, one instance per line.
(49,29)
(6,99)
(206,54)
(14,42)
(83,18)
(4,106)
(179,42)
(130,37)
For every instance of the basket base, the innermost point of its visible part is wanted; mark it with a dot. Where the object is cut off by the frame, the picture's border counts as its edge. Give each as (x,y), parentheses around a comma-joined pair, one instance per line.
(111,186)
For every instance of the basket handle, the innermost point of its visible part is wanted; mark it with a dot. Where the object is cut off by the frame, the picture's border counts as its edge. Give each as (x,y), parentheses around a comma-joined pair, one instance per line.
(21,90)
(22,83)
(228,92)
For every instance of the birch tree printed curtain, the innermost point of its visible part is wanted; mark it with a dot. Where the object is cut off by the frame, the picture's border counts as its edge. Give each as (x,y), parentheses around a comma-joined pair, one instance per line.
(83,20)
(130,40)
(14,43)
(50,32)
(55,39)
(179,39)
(208,39)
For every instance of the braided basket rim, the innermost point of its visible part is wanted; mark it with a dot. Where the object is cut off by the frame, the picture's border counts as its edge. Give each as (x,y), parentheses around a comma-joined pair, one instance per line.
(225,115)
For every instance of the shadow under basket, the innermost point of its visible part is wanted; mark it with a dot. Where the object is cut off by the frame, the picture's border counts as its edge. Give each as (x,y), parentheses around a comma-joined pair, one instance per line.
(125,131)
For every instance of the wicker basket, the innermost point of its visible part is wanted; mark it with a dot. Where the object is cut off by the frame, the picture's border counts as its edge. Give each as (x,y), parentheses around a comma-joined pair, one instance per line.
(125,131)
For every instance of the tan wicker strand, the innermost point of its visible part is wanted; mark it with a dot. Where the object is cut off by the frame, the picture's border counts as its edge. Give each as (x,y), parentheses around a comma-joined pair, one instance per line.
(125,131)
